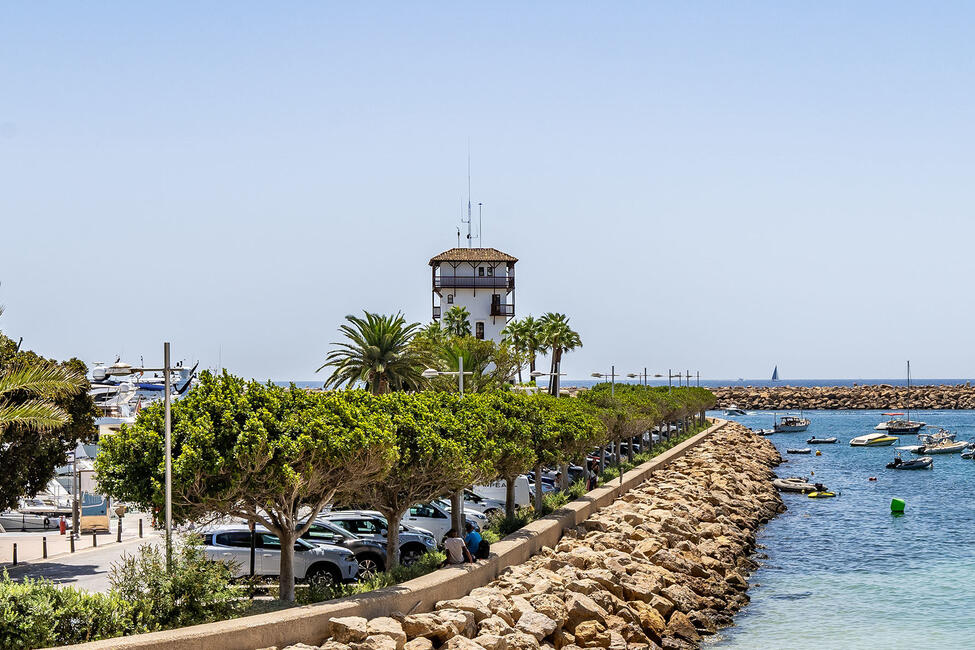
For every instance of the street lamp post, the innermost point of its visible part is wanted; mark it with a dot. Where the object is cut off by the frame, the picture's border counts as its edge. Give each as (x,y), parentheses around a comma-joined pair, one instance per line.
(121,369)
(457,498)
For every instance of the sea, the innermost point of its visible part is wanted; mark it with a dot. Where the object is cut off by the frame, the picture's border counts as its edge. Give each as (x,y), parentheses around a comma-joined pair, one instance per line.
(847,573)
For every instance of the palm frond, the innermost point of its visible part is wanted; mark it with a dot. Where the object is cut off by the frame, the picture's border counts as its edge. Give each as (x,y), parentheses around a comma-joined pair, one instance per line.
(34,414)
(43,380)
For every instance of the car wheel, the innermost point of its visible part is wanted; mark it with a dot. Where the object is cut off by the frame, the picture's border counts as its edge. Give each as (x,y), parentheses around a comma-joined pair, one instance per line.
(410,555)
(370,565)
(324,576)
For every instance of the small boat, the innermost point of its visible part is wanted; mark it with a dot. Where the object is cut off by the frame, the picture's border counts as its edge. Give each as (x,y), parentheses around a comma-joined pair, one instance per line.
(873,440)
(805,450)
(733,410)
(796,484)
(775,374)
(821,441)
(968,454)
(822,494)
(924,462)
(764,432)
(791,424)
(899,427)
(943,447)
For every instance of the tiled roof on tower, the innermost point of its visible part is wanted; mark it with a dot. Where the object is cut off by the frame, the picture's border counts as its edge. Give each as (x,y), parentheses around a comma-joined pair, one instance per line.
(472,255)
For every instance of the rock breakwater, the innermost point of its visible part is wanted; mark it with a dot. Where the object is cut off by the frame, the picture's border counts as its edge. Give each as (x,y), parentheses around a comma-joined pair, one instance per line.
(661,567)
(874,396)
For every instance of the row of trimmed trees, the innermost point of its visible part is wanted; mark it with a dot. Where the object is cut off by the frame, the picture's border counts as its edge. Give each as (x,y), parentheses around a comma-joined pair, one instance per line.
(276,456)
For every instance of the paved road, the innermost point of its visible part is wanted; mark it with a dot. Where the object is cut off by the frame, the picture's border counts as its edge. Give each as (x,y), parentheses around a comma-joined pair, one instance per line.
(86,569)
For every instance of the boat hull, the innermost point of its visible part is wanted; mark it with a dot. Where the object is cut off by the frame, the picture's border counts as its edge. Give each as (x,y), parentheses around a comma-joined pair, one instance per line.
(791,428)
(821,441)
(883,441)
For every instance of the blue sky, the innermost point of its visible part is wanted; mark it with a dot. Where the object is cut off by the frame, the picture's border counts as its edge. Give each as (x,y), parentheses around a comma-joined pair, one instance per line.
(714,186)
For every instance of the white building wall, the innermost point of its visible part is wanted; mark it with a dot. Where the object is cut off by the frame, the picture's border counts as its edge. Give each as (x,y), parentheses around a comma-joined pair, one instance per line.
(477,302)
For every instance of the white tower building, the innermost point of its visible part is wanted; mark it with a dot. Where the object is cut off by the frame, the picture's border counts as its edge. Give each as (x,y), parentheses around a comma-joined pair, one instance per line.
(480,279)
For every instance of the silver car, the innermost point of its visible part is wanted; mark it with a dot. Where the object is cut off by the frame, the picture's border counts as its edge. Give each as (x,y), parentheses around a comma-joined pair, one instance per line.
(313,562)
(368,524)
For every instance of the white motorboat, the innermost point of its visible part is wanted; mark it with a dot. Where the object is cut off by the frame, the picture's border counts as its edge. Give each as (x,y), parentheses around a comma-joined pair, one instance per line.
(873,440)
(942,447)
(733,410)
(791,424)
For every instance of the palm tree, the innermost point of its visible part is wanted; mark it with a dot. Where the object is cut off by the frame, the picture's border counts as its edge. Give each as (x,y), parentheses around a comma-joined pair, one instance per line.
(559,338)
(28,392)
(457,321)
(534,340)
(514,334)
(378,352)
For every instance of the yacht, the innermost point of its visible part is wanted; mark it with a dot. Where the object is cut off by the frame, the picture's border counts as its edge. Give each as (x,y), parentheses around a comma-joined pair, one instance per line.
(734,410)
(791,424)
(873,440)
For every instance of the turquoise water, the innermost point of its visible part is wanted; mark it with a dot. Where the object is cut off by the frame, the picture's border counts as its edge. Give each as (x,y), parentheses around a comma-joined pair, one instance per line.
(844,572)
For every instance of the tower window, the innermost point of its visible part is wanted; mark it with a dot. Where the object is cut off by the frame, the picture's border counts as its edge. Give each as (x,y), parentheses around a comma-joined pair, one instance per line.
(479,330)
(490,271)
(450,298)
(480,271)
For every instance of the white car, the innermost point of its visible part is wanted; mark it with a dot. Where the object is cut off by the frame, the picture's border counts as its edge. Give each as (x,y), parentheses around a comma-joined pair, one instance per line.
(470,513)
(434,518)
(498,491)
(324,563)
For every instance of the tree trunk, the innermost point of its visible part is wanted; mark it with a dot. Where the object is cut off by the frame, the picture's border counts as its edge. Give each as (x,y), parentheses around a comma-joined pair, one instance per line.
(564,476)
(538,489)
(629,449)
(457,511)
(602,458)
(509,496)
(286,580)
(392,538)
(531,362)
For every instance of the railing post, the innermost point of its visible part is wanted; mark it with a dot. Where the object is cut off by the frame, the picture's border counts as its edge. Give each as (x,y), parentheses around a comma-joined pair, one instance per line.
(119,538)
(94,539)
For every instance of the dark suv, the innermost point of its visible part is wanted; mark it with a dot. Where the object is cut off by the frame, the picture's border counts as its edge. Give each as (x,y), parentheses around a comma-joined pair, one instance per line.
(370,553)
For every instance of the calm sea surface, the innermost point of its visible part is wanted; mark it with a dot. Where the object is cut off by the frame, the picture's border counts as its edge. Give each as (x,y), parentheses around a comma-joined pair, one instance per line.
(844,572)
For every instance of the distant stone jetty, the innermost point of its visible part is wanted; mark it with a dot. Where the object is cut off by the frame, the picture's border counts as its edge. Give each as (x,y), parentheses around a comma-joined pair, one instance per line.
(878,396)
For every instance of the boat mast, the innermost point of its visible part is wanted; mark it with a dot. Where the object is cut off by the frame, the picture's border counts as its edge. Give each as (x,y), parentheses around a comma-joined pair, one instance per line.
(908,390)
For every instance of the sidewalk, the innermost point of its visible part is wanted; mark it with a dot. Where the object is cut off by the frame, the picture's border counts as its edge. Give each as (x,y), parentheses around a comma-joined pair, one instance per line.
(30,546)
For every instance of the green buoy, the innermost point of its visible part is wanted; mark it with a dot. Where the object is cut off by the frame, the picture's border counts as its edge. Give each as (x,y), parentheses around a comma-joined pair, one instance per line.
(897,505)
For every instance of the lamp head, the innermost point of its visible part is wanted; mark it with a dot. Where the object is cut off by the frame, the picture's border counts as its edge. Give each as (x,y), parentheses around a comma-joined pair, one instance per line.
(429,373)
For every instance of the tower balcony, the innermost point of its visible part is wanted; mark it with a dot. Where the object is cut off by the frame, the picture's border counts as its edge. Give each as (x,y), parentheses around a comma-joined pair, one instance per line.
(500,309)
(473,282)
(436,312)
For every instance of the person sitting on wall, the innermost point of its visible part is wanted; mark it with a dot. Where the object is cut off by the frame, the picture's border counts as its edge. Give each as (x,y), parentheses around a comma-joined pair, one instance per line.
(473,538)
(456,549)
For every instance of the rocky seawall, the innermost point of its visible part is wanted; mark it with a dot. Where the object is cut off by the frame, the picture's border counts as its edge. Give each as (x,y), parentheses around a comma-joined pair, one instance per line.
(663,566)
(878,396)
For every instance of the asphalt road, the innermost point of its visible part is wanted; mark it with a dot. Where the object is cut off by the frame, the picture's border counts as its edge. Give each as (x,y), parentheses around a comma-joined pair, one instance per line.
(85,569)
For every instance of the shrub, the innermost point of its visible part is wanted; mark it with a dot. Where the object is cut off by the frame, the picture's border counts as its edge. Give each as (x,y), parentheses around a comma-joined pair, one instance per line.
(196,590)
(38,613)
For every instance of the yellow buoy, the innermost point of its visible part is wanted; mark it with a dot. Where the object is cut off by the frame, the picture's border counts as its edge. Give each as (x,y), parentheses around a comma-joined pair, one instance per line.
(819,453)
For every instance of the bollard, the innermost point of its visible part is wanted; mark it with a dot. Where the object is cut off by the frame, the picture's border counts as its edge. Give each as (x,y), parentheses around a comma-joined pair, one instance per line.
(119,539)
(72,542)
(44,547)
(94,540)
(140,526)
(15,553)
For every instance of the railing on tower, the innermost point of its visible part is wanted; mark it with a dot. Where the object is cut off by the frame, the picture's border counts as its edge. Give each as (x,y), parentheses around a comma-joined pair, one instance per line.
(473,282)
(499,309)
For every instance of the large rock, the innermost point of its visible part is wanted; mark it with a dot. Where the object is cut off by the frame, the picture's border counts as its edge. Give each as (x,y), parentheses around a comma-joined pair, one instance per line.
(420,643)
(348,629)
(375,642)
(680,626)
(592,634)
(386,626)
(538,625)
(582,608)
(429,626)
(552,606)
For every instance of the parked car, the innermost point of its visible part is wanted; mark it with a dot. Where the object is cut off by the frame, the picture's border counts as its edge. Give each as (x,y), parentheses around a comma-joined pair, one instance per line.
(313,562)
(498,489)
(368,524)
(434,518)
(470,514)
(485,505)
(370,553)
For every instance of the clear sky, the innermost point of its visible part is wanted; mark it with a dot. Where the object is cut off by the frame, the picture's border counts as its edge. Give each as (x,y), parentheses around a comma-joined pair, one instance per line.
(715,186)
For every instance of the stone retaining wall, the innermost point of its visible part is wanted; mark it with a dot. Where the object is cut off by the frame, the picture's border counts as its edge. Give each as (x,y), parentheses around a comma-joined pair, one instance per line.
(879,396)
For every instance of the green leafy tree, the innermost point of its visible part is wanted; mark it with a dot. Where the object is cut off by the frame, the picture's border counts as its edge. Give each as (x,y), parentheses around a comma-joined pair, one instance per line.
(378,353)
(31,449)
(437,452)
(509,420)
(559,338)
(457,321)
(564,430)
(273,456)
(492,364)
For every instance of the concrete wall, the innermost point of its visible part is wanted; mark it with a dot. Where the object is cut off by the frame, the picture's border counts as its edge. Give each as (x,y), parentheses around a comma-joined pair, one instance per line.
(309,624)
